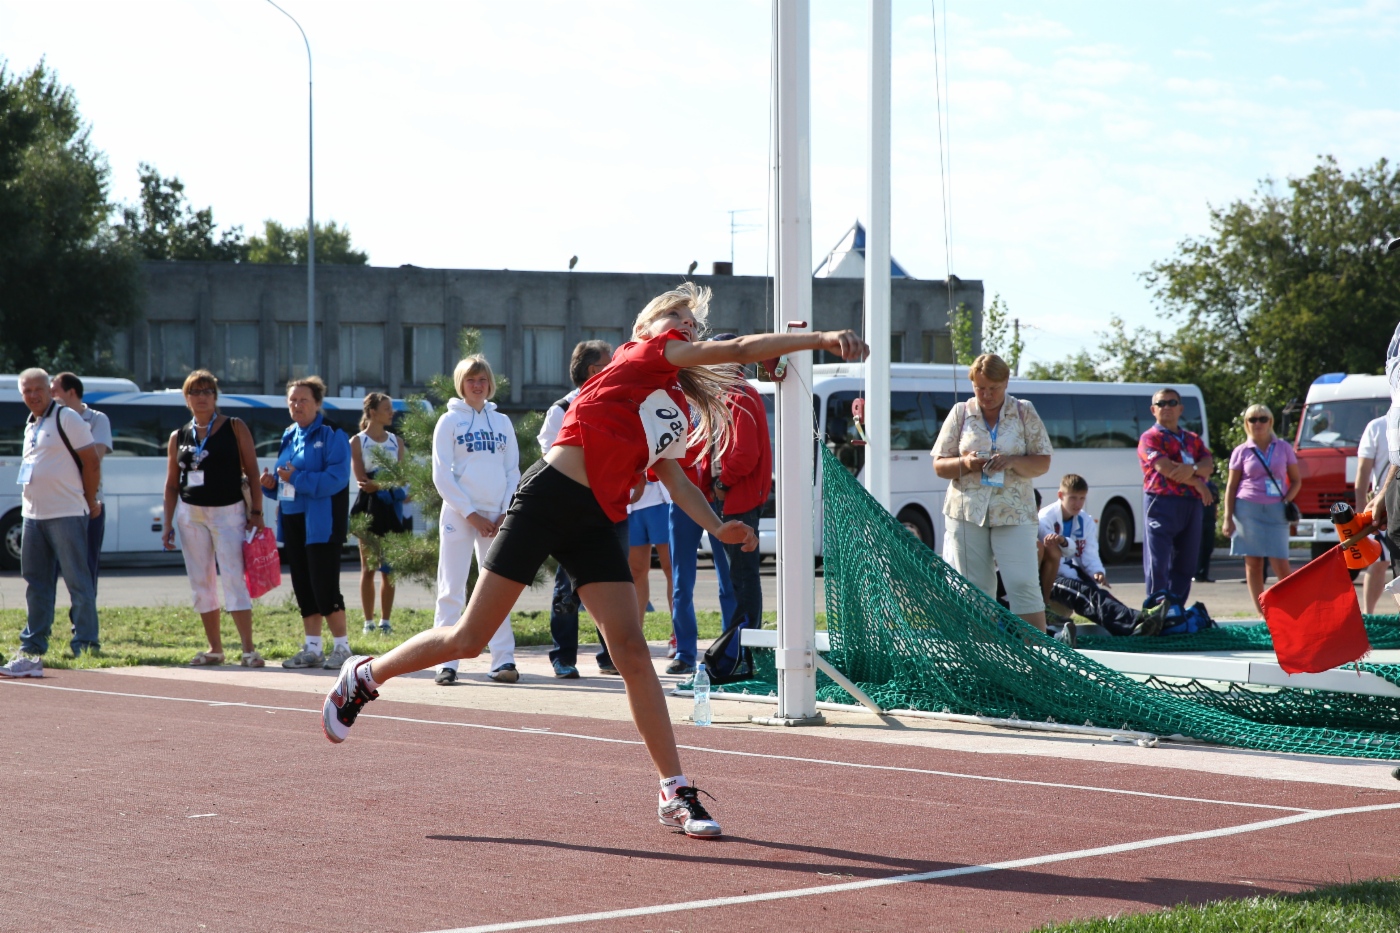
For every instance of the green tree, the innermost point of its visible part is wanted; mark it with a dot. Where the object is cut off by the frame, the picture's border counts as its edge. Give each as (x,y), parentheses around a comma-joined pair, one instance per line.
(1001,336)
(280,244)
(66,279)
(962,332)
(1081,367)
(1289,284)
(415,556)
(164,226)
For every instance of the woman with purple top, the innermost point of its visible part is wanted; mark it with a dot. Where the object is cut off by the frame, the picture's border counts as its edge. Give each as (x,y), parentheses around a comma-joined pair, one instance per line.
(1264,476)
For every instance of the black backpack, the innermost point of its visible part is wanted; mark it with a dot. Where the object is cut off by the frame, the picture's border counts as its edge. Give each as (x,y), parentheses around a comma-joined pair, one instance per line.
(727,660)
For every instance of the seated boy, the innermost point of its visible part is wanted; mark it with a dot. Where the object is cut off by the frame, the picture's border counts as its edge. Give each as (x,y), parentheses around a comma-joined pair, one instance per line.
(1071,573)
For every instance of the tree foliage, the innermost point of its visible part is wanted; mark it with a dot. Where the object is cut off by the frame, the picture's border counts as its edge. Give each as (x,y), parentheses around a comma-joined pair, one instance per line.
(1001,336)
(1288,285)
(164,226)
(280,244)
(1081,367)
(66,279)
(962,332)
(415,556)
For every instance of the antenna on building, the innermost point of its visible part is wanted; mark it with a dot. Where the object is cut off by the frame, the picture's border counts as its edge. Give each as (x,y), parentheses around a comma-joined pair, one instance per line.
(735,226)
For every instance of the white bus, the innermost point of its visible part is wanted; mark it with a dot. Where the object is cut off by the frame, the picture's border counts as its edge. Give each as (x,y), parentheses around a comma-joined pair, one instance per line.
(133,475)
(1094,427)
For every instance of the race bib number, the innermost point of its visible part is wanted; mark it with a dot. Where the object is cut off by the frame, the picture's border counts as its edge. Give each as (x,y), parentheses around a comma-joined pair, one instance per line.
(26,470)
(194,478)
(665,427)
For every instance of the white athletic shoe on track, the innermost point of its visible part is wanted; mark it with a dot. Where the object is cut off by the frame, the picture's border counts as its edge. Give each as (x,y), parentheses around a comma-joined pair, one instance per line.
(345,699)
(686,813)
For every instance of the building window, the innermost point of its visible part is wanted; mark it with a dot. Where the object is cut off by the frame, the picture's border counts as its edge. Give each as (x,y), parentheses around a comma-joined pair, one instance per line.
(361,355)
(938,347)
(609,335)
(236,352)
(291,351)
(422,354)
(544,356)
(120,350)
(492,346)
(172,352)
(897,348)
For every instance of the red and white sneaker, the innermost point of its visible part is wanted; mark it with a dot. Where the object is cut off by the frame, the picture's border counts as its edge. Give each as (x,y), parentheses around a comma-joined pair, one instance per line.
(345,699)
(686,813)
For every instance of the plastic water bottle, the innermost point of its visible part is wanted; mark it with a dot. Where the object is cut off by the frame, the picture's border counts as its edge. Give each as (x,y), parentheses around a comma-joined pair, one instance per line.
(701,686)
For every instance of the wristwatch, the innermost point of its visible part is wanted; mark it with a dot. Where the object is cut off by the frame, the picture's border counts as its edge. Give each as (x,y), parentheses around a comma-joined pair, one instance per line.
(720,485)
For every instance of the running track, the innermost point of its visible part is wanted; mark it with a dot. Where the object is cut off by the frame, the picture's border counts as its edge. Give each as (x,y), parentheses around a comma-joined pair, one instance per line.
(140,804)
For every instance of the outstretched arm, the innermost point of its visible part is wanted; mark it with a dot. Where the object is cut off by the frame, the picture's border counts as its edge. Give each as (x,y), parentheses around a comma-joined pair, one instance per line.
(758,347)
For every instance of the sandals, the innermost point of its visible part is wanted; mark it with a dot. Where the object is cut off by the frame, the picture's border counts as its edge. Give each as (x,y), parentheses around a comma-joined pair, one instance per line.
(252,659)
(207,659)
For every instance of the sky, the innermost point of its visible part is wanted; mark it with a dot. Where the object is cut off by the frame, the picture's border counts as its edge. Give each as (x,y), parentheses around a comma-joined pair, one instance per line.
(1083,141)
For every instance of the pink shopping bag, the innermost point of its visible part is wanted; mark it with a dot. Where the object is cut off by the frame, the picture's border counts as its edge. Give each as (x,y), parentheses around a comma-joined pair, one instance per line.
(262,568)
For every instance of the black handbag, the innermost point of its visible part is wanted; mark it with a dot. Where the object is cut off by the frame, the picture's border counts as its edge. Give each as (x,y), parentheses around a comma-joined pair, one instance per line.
(1290,508)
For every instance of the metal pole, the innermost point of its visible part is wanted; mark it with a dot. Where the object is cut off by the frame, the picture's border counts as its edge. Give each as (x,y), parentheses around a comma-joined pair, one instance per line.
(795,466)
(310,203)
(877,260)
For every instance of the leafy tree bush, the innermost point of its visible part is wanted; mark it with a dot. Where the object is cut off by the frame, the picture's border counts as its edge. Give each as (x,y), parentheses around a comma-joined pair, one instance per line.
(288,245)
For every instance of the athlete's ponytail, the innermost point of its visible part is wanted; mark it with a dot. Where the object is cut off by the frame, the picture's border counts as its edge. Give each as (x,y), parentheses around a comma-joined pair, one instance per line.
(704,387)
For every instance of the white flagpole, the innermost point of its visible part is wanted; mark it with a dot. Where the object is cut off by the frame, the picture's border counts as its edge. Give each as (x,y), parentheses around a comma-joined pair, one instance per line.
(877,259)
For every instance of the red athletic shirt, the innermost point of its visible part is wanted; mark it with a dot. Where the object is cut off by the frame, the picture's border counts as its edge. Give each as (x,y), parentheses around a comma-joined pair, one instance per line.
(606,420)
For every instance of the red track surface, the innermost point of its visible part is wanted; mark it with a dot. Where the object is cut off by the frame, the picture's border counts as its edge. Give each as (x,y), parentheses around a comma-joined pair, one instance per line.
(128,813)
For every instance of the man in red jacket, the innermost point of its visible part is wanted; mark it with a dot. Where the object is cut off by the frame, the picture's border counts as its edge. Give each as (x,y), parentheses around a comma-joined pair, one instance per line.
(738,483)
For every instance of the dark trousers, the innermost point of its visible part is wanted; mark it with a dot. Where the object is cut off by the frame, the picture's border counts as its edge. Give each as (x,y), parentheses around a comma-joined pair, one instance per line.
(744,576)
(97,530)
(1171,542)
(1208,519)
(315,569)
(563,614)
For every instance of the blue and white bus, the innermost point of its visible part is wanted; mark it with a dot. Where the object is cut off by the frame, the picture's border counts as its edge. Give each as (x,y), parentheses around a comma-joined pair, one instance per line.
(133,474)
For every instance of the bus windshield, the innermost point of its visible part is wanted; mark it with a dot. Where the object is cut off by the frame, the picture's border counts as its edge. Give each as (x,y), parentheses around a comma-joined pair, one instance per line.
(1339,423)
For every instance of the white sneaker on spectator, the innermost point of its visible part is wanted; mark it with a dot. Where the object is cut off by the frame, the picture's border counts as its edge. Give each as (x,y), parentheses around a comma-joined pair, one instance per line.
(22,665)
(369,627)
(305,658)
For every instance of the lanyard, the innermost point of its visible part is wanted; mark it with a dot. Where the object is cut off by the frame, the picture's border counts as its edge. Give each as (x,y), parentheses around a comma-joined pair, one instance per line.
(33,439)
(199,454)
(1266,456)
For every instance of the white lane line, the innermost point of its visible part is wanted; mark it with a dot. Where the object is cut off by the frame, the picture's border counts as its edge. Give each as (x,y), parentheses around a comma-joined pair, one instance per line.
(199,816)
(700,748)
(919,876)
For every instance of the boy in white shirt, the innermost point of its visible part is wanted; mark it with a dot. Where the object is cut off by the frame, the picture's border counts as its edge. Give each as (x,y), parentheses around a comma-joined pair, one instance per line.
(1071,572)
(1372,462)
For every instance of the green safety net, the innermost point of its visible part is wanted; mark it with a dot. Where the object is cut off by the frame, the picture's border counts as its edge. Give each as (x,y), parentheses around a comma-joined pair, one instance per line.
(1383,631)
(914,634)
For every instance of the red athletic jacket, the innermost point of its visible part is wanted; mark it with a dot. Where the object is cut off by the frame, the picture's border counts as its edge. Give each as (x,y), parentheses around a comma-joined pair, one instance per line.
(747,467)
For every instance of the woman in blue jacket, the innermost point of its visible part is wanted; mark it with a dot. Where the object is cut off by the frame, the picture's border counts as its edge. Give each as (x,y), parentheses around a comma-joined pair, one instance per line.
(313,508)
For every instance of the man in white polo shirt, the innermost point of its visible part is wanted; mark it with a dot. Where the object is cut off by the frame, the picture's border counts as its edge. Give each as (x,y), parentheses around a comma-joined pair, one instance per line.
(59,474)
(68,389)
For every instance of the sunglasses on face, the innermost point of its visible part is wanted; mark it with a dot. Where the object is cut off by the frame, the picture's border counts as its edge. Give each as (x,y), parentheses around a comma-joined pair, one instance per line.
(1167,403)
(201,392)
(1259,420)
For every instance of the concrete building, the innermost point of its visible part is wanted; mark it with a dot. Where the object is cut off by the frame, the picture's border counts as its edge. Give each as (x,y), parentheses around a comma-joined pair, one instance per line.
(392,329)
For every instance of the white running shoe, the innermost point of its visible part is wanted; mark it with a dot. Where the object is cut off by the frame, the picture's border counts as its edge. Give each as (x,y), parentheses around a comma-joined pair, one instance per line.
(23,665)
(305,658)
(345,699)
(370,627)
(686,813)
(336,658)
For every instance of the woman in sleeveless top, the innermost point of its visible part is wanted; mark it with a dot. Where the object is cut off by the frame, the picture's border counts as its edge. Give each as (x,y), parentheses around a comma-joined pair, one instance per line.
(209,458)
(383,506)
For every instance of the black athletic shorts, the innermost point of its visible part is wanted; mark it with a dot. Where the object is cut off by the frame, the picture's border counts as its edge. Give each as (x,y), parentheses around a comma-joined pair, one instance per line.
(553,515)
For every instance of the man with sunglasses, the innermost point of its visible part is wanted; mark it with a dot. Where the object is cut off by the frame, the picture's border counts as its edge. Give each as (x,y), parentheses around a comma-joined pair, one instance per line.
(1175,466)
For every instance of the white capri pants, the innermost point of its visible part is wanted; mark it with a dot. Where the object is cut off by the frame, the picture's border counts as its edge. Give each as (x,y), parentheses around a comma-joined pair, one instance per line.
(457,539)
(211,539)
(978,553)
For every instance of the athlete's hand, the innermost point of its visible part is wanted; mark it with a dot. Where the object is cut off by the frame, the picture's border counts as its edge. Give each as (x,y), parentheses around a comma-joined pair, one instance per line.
(738,533)
(167,538)
(845,344)
(638,488)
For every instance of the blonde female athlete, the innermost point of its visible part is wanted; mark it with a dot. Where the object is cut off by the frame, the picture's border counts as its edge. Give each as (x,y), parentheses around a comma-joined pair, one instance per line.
(628,419)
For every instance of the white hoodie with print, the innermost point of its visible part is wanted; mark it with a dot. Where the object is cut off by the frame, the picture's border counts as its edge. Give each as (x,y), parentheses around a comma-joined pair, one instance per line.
(476,460)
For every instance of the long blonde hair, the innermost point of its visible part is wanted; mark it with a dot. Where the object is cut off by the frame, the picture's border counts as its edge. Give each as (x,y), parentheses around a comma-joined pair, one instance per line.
(705,387)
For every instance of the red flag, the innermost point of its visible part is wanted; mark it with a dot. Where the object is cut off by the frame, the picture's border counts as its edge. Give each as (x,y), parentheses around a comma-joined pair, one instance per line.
(1314,617)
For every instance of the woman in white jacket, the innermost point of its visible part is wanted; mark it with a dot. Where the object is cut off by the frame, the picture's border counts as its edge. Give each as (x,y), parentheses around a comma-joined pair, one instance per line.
(476,466)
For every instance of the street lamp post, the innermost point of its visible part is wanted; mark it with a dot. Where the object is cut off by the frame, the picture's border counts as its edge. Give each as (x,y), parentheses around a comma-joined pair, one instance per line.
(310,204)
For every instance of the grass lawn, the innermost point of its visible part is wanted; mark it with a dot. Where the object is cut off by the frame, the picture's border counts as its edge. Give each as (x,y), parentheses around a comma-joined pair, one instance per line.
(174,635)
(1362,907)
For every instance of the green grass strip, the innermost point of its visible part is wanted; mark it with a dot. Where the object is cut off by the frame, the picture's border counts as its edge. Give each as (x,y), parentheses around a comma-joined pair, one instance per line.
(171,636)
(1360,907)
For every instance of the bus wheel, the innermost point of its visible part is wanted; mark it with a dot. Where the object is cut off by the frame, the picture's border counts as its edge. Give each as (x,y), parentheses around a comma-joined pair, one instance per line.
(1115,533)
(11,533)
(918,524)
